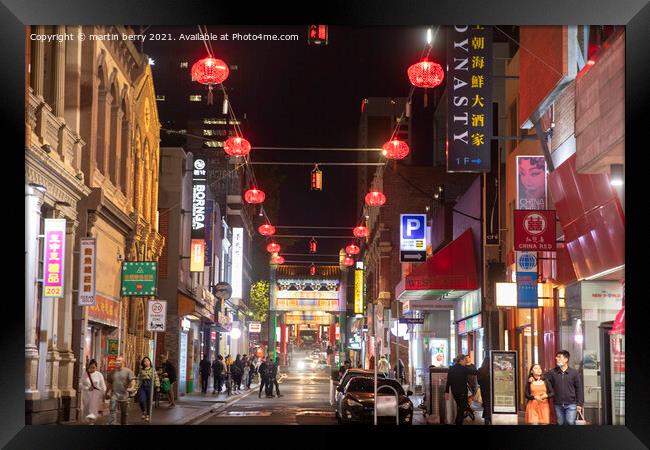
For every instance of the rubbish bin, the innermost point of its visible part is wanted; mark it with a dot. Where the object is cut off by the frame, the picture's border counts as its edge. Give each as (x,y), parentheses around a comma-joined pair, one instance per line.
(435,394)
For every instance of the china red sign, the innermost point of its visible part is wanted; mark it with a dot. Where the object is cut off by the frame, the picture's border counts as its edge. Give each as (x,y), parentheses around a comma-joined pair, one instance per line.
(534,230)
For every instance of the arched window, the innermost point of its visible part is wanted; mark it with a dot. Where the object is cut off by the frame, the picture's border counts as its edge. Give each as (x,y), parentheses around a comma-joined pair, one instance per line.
(113,141)
(126,152)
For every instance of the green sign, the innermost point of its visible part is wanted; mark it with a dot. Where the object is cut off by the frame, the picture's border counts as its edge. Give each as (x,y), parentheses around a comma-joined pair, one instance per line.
(139,278)
(113,346)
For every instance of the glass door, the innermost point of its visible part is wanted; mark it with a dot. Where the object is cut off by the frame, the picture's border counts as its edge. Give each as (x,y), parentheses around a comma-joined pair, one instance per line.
(524,340)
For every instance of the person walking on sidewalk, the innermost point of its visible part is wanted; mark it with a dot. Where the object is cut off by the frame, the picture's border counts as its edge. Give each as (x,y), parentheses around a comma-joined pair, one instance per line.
(170,370)
(228,374)
(567,386)
(247,369)
(204,370)
(457,380)
(538,391)
(263,370)
(120,387)
(145,377)
(484,383)
(251,372)
(274,374)
(236,373)
(93,389)
(218,368)
(382,365)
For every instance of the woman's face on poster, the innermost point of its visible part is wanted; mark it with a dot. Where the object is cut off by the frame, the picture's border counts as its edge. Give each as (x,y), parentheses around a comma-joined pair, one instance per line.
(531,179)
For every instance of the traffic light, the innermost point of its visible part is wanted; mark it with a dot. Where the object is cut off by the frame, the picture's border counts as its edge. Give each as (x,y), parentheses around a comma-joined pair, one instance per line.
(317,34)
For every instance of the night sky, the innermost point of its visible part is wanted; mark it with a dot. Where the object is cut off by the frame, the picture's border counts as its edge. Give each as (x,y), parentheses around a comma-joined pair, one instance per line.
(295,94)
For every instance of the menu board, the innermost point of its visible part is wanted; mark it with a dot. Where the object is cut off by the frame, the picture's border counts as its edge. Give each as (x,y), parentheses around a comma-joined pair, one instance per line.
(503,376)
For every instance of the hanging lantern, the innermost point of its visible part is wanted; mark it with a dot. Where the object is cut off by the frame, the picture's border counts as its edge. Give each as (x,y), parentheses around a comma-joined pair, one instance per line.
(273,247)
(352,249)
(210,71)
(313,245)
(395,149)
(237,146)
(266,230)
(425,74)
(347,261)
(316,179)
(277,259)
(360,231)
(254,196)
(312,269)
(375,198)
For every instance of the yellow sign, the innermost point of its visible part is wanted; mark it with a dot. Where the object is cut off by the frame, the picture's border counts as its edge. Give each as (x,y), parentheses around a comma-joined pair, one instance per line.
(358,291)
(197,255)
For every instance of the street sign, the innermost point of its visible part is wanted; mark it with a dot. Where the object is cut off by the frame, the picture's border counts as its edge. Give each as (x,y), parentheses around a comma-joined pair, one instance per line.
(223,290)
(254,327)
(157,314)
(412,320)
(534,230)
(526,279)
(139,278)
(413,237)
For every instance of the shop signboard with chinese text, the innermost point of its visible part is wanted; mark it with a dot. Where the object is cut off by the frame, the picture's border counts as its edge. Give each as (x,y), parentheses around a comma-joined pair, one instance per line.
(358,291)
(54,258)
(105,311)
(469,90)
(156,315)
(236,278)
(197,255)
(503,377)
(112,346)
(87,261)
(254,327)
(526,279)
(534,230)
(139,278)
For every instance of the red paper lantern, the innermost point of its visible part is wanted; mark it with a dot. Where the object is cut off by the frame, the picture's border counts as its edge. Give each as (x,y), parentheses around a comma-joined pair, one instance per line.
(277,260)
(237,146)
(426,74)
(312,269)
(360,231)
(395,149)
(375,198)
(266,230)
(254,196)
(313,246)
(352,249)
(273,247)
(210,71)
(347,261)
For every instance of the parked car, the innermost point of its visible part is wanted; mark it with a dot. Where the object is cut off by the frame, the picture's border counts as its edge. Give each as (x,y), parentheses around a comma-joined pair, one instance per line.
(358,403)
(343,382)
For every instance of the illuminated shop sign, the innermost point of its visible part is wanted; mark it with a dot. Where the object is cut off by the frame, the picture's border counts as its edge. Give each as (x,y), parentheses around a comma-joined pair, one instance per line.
(199,185)
(197,255)
(237,262)
(358,291)
(54,258)
(87,253)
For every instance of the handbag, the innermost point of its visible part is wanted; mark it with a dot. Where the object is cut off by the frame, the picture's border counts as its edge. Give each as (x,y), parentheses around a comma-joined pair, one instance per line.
(580,420)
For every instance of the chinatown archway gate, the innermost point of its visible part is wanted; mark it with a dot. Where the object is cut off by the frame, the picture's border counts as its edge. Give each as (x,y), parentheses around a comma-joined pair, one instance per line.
(306,311)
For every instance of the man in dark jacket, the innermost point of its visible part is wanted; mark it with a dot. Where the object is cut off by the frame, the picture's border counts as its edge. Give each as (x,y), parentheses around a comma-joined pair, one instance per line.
(567,386)
(170,370)
(263,370)
(218,367)
(273,378)
(204,370)
(457,380)
(484,382)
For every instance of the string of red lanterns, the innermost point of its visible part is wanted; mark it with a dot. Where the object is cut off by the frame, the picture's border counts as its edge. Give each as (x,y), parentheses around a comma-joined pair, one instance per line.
(237,146)
(375,198)
(352,249)
(254,196)
(395,149)
(347,261)
(266,229)
(210,71)
(273,247)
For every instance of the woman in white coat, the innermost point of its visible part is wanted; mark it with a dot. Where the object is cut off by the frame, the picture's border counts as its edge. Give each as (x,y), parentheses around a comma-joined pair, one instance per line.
(93,389)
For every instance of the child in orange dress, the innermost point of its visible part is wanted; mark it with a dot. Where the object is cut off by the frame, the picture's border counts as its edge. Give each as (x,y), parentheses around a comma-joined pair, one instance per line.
(538,391)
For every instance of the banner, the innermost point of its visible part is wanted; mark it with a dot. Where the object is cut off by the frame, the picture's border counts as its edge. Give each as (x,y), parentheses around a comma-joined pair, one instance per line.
(139,278)
(469,90)
(87,261)
(358,291)
(54,258)
(531,182)
(237,268)
(534,230)
(105,311)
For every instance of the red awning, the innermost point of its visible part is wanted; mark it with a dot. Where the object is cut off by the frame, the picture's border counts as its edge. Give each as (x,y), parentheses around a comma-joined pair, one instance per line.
(451,268)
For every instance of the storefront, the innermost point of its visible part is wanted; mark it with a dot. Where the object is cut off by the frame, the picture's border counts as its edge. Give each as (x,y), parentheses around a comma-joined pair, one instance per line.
(102,330)
(469,327)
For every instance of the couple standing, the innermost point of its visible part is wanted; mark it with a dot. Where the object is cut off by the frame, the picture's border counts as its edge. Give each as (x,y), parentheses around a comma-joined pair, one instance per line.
(269,373)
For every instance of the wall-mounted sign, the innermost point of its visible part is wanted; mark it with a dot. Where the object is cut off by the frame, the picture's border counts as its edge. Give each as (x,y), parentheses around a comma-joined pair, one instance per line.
(197,255)
(112,346)
(54,260)
(105,311)
(199,191)
(470,324)
(526,279)
(413,237)
(156,315)
(87,253)
(237,262)
(503,379)
(506,294)
(439,349)
(358,291)
(254,327)
(534,230)
(469,87)
(412,320)
(531,183)
(139,278)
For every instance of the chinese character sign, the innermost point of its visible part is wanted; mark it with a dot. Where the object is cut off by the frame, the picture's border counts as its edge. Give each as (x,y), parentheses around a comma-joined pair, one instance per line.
(534,230)
(358,291)
(531,182)
(197,255)
(139,278)
(54,258)
(86,288)
(469,89)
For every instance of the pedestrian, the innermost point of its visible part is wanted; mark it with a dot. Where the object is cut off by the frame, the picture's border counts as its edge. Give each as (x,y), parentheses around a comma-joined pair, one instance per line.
(93,389)
(263,371)
(346,365)
(483,379)
(218,368)
(568,396)
(251,372)
(236,372)
(170,370)
(120,388)
(204,370)
(382,365)
(274,374)
(472,388)
(538,391)
(145,377)
(457,381)
(400,370)
(247,369)
(228,374)
(371,363)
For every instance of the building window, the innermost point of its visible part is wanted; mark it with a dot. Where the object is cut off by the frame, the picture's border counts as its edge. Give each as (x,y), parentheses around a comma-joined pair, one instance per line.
(208,132)
(214,121)
(213,144)
(195,98)
(160,98)
(184,65)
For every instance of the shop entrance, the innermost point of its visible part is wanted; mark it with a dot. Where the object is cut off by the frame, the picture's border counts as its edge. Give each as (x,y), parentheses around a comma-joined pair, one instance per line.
(524,339)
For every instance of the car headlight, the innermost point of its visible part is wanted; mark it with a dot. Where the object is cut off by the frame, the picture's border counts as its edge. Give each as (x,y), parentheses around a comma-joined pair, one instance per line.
(352,403)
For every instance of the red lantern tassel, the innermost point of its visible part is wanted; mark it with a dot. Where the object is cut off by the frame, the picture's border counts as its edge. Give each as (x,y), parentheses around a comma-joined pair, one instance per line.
(209,94)
(425,98)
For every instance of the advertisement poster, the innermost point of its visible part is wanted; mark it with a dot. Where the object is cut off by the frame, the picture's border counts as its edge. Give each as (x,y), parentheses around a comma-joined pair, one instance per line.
(469,89)
(139,278)
(503,373)
(54,258)
(531,183)
(534,230)
(87,251)
(439,349)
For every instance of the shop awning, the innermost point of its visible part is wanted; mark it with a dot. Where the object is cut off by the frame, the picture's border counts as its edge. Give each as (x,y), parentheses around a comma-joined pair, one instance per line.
(449,272)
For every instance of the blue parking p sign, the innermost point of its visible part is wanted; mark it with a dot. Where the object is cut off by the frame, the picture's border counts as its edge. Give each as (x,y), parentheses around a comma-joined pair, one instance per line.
(413,240)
